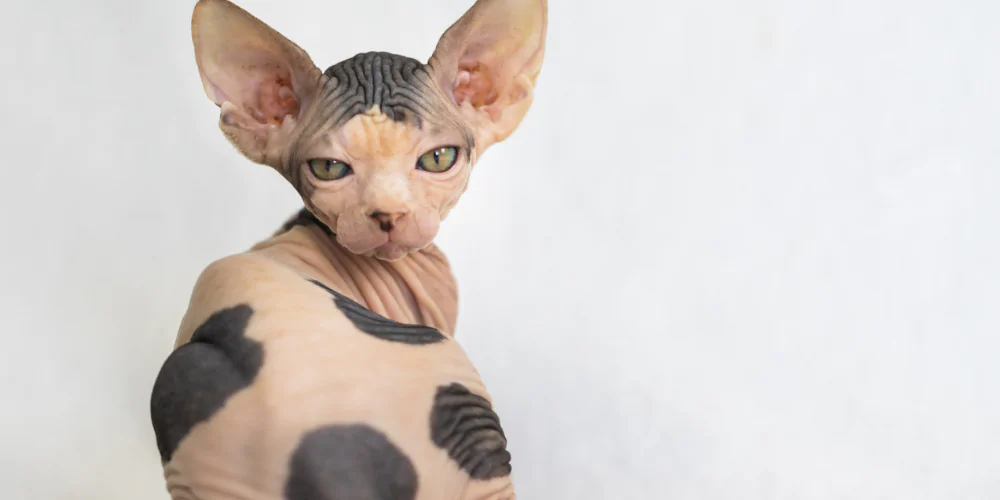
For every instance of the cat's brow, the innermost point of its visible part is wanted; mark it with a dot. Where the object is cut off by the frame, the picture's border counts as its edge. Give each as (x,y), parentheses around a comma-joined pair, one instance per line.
(400,86)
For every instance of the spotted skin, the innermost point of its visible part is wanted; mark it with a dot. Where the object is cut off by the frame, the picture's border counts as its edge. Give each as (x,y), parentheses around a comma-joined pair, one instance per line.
(380,326)
(350,461)
(322,364)
(317,370)
(464,424)
(197,379)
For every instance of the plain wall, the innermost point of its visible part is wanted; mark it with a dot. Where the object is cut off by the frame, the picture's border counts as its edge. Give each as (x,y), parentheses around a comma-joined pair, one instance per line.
(739,249)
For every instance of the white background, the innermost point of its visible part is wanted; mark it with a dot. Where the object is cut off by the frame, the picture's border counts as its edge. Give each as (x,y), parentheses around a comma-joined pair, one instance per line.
(738,249)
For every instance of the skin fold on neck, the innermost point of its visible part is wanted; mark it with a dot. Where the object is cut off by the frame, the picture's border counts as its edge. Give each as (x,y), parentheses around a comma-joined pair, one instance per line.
(417,289)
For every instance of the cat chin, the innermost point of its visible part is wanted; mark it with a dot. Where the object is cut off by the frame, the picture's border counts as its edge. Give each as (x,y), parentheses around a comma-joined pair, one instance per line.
(383,246)
(390,252)
(379,248)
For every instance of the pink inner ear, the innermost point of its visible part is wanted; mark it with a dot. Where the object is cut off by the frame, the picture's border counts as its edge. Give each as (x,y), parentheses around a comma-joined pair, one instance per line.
(262,89)
(474,83)
(274,98)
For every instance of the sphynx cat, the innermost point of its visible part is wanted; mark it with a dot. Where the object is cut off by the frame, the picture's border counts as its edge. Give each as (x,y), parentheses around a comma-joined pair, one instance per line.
(321,363)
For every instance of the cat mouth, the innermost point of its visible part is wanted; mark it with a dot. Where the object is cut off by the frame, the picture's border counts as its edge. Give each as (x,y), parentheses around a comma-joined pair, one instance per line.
(390,250)
(391,243)
(384,245)
(377,245)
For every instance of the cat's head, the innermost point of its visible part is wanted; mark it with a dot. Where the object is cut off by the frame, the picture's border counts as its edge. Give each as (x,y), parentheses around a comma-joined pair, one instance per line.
(379,146)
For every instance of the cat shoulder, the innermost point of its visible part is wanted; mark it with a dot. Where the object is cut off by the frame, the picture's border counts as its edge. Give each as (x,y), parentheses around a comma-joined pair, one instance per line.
(235,280)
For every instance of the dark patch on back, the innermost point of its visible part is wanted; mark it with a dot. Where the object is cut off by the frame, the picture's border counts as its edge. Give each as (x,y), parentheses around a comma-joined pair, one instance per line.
(305,218)
(379,326)
(199,377)
(465,425)
(349,462)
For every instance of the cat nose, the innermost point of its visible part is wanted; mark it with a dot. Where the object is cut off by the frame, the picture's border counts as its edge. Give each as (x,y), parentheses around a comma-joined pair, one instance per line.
(386,221)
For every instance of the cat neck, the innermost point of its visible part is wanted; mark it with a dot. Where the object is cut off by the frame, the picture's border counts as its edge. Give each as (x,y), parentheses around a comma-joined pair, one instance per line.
(417,289)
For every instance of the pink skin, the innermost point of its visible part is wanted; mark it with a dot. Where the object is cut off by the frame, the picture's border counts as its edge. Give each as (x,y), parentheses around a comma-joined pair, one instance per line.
(383,156)
(485,66)
(318,367)
(412,232)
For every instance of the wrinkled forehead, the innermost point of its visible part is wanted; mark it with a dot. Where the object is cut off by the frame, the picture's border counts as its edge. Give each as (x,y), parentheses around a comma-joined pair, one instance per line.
(398,87)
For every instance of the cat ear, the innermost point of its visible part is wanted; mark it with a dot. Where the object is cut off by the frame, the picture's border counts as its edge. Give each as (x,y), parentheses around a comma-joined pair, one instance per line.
(488,63)
(259,79)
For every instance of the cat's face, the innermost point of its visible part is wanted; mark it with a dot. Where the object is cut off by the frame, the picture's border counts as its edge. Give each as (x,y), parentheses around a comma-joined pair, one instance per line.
(379,146)
(381,162)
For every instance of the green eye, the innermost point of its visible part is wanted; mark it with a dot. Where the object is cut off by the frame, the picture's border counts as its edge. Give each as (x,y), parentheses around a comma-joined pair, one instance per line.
(438,160)
(328,170)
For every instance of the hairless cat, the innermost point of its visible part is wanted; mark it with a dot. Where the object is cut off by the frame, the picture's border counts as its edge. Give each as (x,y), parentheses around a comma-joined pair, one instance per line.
(321,363)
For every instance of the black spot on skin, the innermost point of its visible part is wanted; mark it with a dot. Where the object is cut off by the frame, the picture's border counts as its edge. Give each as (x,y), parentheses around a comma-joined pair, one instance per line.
(379,326)
(199,377)
(465,425)
(305,218)
(349,462)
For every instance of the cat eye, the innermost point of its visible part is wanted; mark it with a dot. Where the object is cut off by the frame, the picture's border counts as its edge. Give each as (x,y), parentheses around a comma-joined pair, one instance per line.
(438,160)
(328,170)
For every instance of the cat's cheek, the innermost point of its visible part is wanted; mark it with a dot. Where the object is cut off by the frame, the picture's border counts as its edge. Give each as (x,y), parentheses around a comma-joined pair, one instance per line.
(417,230)
(451,196)
(449,204)
(428,225)
(356,235)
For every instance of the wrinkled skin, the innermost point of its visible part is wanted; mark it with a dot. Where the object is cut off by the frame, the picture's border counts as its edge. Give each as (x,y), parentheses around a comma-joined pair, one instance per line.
(322,363)
(276,108)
